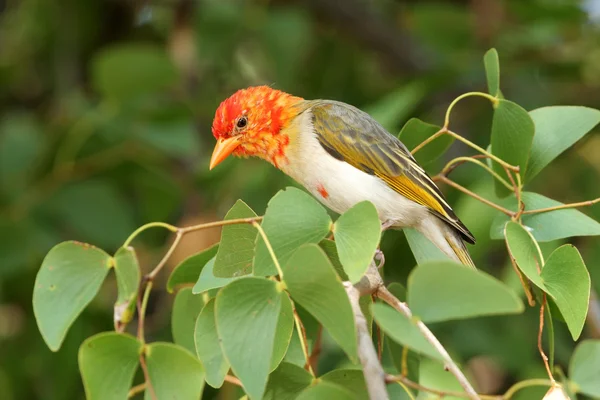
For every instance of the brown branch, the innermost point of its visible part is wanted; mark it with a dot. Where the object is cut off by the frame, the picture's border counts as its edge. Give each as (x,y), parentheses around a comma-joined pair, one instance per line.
(147,376)
(303,340)
(233,380)
(316,351)
(384,294)
(539,343)
(563,206)
(136,390)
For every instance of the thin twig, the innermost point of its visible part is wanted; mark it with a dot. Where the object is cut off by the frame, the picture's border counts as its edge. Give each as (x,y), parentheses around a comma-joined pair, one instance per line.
(452,164)
(262,233)
(483,151)
(141,306)
(166,257)
(221,223)
(136,390)
(474,195)
(563,206)
(316,350)
(303,340)
(233,380)
(540,347)
(429,140)
(491,98)
(147,376)
(371,365)
(384,294)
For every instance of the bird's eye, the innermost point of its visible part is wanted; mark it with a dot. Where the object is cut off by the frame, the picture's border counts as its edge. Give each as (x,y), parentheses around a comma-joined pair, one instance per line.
(242,122)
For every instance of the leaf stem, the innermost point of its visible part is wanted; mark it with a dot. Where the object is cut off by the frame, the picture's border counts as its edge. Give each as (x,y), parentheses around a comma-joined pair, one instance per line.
(269,247)
(303,340)
(482,151)
(461,160)
(563,206)
(540,347)
(474,195)
(491,98)
(147,376)
(523,384)
(148,226)
(142,305)
(136,390)
(384,294)
(429,140)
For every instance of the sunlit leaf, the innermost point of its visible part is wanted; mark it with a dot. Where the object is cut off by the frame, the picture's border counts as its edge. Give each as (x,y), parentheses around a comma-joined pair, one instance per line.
(293,218)
(546,226)
(250,306)
(313,283)
(68,280)
(444,290)
(174,373)
(357,233)
(556,129)
(208,348)
(512,137)
(236,250)
(207,280)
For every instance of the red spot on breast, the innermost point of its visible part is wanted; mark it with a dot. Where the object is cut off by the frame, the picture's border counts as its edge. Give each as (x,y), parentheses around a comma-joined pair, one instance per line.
(322,191)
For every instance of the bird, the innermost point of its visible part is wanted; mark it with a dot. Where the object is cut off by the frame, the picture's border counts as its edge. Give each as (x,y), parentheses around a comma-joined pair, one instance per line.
(342,156)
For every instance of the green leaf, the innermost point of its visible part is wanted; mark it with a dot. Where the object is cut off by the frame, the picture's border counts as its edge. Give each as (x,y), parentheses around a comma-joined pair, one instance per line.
(190,269)
(330,249)
(398,105)
(327,390)
(283,333)
(357,233)
(351,379)
(522,248)
(584,367)
(492,71)
(127,270)
(108,362)
(563,277)
(207,280)
(416,131)
(250,306)
(208,348)
(313,283)
(444,290)
(567,281)
(512,137)
(402,330)
(422,248)
(433,374)
(130,70)
(292,219)
(236,251)
(186,309)
(286,382)
(546,226)
(68,280)
(556,129)
(174,372)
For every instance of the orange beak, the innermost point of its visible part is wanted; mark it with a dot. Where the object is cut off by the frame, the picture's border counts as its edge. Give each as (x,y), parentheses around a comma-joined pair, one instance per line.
(223,148)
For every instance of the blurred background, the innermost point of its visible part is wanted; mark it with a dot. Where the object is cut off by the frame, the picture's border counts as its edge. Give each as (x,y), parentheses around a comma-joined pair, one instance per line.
(105,115)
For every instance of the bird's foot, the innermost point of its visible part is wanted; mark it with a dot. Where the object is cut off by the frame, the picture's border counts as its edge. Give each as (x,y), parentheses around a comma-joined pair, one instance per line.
(380,258)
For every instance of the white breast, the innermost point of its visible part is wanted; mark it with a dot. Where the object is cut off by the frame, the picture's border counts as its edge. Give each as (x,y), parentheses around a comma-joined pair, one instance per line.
(339,185)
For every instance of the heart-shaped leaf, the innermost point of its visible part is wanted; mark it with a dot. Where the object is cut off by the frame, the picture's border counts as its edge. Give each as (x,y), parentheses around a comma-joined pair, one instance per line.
(173,373)
(357,233)
(292,218)
(313,283)
(208,347)
(68,280)
(236,250)
(252,306)
(108,362)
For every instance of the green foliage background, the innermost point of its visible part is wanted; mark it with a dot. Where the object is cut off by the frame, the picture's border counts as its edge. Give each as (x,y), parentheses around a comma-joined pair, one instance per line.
(105,113)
